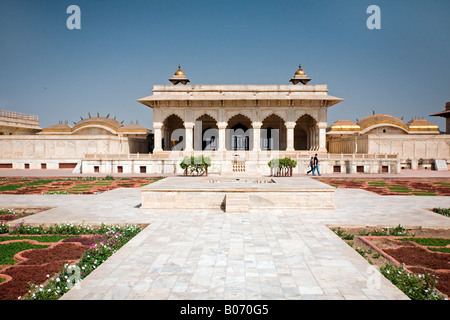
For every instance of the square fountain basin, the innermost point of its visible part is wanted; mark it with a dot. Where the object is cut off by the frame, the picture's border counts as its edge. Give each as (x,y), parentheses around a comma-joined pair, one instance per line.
(245,193)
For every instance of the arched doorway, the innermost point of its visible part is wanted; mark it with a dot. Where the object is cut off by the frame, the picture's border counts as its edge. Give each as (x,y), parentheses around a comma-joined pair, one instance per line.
(174,134)
(305,133)
(273,133)
(239,133)
(206,133)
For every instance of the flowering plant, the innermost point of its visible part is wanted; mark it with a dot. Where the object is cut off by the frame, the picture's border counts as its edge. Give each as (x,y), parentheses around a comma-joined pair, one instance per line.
(415,286)
(111,240)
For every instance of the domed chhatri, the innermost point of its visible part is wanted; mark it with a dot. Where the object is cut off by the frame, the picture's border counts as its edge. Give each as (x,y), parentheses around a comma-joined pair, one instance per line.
(300,76)
(179,77)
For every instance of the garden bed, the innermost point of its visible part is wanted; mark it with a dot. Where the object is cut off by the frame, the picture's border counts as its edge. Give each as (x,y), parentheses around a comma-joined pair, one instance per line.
(88,185)
(422,253)
(43,259)
(410,187)
(9,214)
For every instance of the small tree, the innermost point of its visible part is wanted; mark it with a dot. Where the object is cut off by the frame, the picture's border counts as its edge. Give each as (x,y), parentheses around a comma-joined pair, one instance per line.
(282,167)
(195,166)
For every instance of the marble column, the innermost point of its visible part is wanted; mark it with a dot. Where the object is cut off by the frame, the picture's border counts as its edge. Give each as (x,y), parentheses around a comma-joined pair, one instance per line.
(290,136)
(316,138)
(157,137)
(189,146)
(222,135)
(321,137)
(256,136)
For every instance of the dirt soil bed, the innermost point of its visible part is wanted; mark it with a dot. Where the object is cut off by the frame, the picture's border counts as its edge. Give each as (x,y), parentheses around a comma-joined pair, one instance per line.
(34,265)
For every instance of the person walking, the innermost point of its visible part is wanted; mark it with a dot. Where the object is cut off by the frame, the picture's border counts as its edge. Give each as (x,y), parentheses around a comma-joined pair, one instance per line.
(316,165)
(311,165)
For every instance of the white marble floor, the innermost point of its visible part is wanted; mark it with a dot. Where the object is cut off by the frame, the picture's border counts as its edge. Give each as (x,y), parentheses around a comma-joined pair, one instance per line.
(209,254)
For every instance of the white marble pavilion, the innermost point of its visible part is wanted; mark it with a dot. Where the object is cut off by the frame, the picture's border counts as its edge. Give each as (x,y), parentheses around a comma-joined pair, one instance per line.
(240,117)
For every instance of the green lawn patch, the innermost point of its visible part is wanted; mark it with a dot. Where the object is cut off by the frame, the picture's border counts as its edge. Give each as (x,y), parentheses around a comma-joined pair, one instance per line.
(424,193)
(8,250)
(16,186)
(103,183)
(443,184)
(39,238)
(446,250)
(377,184)
(399,189)
(435,242)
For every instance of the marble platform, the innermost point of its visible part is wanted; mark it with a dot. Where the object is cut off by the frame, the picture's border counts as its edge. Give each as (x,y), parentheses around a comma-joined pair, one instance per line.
(238,194)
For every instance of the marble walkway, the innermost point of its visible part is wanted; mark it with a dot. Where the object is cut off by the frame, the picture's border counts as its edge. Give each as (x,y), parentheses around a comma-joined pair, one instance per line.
(209,254)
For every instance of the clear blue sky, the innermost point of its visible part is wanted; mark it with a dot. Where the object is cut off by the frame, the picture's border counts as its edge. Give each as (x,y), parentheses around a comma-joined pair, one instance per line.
(126,47)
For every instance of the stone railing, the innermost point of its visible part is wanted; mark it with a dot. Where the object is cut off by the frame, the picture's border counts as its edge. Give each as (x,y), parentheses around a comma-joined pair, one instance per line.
(18,115)
(299,155)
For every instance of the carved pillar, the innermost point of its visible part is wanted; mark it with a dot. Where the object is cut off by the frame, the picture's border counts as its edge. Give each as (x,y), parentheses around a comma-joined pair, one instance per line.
(222,135)
(157,137)
(290,136)
(321,132)
(188,126)
(256,136)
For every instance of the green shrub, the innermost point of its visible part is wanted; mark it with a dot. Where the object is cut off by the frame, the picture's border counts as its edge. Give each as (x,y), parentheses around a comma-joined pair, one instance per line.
(361,252)
(112,240)
(443,211)
(415,286)
(343,235)
(282,167)
(195,166)
(3,228)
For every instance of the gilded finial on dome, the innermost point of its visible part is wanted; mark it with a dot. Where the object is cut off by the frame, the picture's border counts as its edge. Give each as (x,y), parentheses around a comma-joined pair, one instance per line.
(179,77)
(179,72)
(300,71)
(300,76)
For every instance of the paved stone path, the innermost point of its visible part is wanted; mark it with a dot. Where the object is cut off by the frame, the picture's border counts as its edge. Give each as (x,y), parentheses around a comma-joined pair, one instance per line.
(209,254)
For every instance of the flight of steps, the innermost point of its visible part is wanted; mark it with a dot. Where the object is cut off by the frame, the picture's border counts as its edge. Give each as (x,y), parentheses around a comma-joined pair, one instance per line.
(237,202)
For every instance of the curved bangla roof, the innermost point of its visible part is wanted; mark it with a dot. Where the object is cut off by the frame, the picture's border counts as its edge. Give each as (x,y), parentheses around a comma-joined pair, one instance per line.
(366,124)
(110,124)
(133,128)
(60,127)
(376,119)
(345,125)
(422,125)
(106,121)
